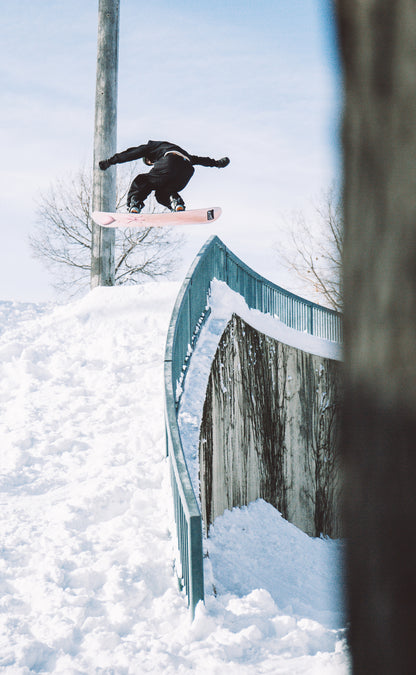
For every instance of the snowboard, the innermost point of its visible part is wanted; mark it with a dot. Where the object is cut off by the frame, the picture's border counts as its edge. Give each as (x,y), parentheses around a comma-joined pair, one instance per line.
(192,217)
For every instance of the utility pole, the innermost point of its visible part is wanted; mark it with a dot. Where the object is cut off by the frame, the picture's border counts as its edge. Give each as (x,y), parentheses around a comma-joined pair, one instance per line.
(105,140)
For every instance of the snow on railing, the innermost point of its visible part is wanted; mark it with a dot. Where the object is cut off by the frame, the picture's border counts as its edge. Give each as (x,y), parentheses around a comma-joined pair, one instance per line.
(215,261)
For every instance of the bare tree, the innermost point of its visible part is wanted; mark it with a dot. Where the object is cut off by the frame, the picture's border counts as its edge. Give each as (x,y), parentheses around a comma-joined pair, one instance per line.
(62,239)
(314,250)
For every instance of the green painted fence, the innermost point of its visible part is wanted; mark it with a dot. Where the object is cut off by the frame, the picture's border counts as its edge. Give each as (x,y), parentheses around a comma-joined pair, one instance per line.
(216,261)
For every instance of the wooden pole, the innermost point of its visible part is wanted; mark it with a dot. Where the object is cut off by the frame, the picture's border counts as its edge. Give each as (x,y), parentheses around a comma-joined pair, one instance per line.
(377,39)
(105,140)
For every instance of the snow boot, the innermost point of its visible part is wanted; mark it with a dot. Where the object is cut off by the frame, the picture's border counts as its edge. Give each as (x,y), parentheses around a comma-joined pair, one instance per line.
(176,203)
(135,206)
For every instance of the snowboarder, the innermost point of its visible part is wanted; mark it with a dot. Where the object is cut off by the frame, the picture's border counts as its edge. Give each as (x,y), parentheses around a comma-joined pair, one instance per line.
(172,168)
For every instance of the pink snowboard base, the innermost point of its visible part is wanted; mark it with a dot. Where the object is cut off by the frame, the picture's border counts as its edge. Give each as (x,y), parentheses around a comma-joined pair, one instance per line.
(192,217)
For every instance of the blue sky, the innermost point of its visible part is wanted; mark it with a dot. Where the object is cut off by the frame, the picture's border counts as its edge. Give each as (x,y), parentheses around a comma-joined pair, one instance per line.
(257,81)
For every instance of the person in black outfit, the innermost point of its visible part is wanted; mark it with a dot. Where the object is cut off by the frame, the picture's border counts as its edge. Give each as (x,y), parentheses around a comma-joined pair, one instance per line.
(172,168)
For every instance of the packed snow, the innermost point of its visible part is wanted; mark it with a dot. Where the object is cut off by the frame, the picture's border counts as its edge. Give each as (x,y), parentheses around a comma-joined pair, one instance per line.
(87,539)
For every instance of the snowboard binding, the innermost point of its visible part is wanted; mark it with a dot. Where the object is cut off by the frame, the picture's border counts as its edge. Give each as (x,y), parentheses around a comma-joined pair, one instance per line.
(135,206)
(177,203)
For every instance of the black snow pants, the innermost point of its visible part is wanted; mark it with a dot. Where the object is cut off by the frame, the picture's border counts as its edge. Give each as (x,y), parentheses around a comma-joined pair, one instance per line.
(167,176)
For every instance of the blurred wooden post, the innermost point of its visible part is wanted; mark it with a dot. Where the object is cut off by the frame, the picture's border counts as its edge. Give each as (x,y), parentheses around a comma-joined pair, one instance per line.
(105,141)
(378,39)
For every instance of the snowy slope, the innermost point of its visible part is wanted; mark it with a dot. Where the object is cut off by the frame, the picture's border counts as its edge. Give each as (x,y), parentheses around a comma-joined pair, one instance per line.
(86,544)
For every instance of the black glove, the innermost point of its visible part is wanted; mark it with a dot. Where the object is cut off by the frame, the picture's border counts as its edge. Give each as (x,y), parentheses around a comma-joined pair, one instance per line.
(104,164)
(221,163)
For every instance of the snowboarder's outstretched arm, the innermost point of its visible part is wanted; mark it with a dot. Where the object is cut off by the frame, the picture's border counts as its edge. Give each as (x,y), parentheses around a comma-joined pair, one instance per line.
(128,155)
(207,161)
(156,150)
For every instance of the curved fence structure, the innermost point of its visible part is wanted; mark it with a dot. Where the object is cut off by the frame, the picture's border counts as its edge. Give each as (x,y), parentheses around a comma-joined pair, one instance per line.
(215,261)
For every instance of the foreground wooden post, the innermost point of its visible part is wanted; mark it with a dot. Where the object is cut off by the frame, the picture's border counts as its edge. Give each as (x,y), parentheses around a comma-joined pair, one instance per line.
(105,140)
(378,40)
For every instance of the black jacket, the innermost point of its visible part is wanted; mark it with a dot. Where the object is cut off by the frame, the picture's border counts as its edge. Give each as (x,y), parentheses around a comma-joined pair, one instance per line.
(155,150)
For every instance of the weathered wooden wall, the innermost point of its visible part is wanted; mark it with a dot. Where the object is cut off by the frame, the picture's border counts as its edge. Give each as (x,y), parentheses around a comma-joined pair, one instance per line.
(270,430)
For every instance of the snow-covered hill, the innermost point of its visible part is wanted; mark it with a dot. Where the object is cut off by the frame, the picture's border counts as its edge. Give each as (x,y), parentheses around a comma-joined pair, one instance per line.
(86,534)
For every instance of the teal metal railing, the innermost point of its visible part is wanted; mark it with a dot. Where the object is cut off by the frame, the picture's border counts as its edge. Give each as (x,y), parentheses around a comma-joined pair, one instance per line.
(216,261)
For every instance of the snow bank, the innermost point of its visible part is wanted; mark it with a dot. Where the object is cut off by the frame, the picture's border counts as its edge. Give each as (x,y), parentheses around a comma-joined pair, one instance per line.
(86,543)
